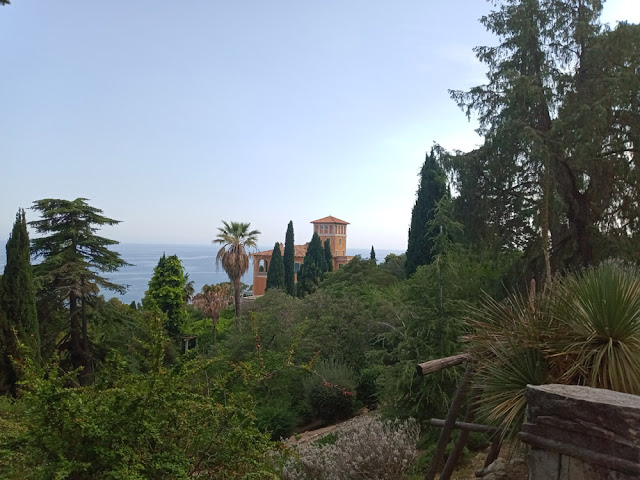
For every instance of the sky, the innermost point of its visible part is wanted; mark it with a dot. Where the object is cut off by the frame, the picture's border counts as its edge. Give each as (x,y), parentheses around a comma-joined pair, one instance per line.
(173,116)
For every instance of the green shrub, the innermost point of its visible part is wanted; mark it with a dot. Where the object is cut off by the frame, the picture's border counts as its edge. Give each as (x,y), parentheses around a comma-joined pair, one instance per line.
(331,391)
(156,425)
(278,418)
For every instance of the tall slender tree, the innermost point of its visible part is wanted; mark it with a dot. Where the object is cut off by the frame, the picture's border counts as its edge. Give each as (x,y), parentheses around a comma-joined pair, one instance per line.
(18,290)
(328,257)
(8,376)
(313,268)
(73,259)
(431,189)
(372,255)
(275,275)
(289,261)
(236,239)
(166,291)
(560,118)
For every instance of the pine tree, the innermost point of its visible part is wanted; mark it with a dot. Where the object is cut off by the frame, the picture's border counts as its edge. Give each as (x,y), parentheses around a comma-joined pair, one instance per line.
(289,262)
(557,174)
(275,275)
(73,258)
(327,255)
(313,268)
(19,294)
(372,255)
(431,189)
(166,291)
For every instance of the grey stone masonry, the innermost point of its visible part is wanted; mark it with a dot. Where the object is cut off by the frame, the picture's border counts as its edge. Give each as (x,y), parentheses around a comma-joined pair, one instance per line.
(582,433)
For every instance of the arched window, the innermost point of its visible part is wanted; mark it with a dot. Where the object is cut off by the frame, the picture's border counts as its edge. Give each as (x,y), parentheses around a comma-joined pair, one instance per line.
(262,265)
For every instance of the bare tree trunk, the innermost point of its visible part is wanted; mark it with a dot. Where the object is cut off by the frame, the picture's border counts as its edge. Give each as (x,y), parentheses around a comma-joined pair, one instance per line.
(75,333)
(236,297)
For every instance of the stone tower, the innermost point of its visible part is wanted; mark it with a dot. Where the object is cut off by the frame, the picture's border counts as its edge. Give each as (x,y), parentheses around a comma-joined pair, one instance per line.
(335,230)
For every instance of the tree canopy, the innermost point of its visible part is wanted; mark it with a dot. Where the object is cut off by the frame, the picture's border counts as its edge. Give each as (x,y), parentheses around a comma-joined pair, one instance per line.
(275,275)
(18,301)
(166,291)
(328,256)
(557,175)
(289,261)
(313,268)
(236,238)
(430,190)
(73,259)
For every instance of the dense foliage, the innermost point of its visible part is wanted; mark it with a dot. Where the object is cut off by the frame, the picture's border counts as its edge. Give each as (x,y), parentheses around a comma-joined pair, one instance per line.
(289,261)
(236,238)
(19,317)
(73,257)
(275,274)
(430,190)
(313,268)
(166,292)
(547,200)
(157,425)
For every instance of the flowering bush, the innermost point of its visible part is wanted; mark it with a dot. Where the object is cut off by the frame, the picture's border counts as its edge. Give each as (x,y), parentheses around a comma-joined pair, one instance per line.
(369,449)
(330,391)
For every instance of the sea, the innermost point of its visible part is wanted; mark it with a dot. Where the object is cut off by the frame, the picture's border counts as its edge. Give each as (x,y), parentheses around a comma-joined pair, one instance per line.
(197,260)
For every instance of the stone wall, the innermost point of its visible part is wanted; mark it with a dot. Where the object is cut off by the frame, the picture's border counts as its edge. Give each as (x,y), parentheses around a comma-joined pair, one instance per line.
(582,433)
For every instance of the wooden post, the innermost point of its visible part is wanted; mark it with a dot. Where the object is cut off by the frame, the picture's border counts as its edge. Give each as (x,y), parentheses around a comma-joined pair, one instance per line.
(461,441)
(433,366)
(449,423)
(474,427)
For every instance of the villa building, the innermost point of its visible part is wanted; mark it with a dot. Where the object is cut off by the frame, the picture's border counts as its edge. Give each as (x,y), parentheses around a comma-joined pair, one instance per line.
(331,228)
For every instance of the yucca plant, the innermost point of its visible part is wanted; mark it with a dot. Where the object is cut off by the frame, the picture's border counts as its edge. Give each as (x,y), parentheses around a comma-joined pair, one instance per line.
(598,312)
(583,329)
(508,345)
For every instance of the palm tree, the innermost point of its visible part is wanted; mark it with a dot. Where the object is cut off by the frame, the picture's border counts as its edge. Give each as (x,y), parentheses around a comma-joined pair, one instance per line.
(211,302)
(188,291)
(235,237)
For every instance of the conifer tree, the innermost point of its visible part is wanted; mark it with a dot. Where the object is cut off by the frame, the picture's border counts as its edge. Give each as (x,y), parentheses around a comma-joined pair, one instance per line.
(275,275)
(327,255)
(289,261)
(8,377)
(313,267)
(372,255)
(166,291)
(18,287)
(73,258)
(430,190)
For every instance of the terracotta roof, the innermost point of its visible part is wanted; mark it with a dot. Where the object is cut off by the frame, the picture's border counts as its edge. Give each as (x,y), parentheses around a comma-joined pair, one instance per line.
(330,219)
(298,251)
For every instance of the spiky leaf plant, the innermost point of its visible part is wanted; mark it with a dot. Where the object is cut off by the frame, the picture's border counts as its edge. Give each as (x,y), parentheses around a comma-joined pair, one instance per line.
(598,312)
(508,345)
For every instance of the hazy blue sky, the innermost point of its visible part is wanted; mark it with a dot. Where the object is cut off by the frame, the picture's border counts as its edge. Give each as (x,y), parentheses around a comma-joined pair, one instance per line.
(171,116)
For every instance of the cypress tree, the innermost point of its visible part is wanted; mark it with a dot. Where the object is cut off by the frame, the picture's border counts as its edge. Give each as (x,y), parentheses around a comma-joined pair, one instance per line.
(289,262)
(166,291)
(327,255)
(313,267)
(19,295)
(372,255)
(275,275)
(430,190)
(8,377)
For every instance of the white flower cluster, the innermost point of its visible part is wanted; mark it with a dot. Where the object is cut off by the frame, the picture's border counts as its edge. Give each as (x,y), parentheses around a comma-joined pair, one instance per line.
(370,449)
